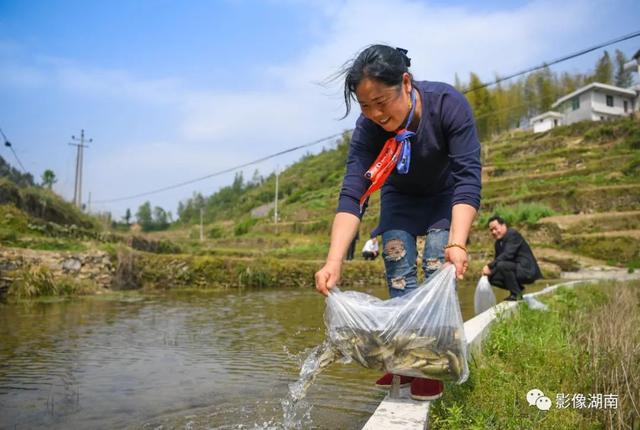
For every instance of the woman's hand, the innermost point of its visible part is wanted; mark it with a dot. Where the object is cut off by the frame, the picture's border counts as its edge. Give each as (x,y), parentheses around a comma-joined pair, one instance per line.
(459,258)
(328,276)
(462,216)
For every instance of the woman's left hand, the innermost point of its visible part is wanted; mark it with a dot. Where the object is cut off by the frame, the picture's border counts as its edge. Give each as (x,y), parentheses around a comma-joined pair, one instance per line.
(459,258)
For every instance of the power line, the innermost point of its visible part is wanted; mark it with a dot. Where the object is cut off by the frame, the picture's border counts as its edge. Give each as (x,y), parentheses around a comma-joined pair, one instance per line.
(221,172)
(10,146)
(556,61)
(484,85)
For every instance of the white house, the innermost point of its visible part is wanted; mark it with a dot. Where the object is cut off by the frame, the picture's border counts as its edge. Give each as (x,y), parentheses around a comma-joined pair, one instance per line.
(546,121)
(593,102)
(596,102)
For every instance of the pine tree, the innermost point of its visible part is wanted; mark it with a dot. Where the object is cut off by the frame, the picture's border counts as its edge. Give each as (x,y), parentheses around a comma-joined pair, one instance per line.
(160,219)
(604,70)
(457,84)
(530,96)
(546,89)
(502,107)
(623,77)
(143,216)
(482,105)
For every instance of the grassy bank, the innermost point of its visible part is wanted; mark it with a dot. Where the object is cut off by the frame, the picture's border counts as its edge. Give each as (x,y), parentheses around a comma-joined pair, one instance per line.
(158,272)
(587,343)
(38,281)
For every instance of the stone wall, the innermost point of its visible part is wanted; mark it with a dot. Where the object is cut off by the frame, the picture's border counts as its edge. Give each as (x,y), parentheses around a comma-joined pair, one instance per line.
(95,266)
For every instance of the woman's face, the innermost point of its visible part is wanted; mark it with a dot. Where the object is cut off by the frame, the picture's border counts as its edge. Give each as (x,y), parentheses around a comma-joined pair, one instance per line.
(386,106)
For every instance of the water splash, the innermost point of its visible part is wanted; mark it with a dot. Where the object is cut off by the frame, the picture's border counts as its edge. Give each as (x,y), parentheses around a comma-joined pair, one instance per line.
(296,412)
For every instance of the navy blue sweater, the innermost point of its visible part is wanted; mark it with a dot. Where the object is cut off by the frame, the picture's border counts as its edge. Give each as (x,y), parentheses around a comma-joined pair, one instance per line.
(444,170)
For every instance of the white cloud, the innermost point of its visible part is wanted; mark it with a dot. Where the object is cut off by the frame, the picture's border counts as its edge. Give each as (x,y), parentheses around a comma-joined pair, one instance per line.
(40,71)
(218,129)
(442,40)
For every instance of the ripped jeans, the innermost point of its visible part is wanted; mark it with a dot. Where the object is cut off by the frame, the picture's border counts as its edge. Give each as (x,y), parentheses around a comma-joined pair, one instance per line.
(400,253)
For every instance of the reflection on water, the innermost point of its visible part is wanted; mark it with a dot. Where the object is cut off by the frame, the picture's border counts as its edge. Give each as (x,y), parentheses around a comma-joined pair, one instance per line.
(208,360)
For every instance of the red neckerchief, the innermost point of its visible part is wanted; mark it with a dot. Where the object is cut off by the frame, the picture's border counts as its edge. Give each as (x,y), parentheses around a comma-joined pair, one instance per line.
(382,167)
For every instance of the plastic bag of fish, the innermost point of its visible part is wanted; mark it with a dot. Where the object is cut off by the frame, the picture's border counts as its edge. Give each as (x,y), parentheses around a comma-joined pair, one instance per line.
(420,334)
(484,298)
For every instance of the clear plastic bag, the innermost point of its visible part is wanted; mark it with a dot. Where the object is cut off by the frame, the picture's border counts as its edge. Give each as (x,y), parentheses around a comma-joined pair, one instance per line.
(420,334)
(534,303)
(484,297)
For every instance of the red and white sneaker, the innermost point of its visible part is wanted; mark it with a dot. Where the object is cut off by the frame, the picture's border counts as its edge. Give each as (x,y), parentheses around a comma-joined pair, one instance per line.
(386,381)
(426,389)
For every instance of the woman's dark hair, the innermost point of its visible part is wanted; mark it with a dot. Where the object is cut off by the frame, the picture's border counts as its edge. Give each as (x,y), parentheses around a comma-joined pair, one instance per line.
(380,62)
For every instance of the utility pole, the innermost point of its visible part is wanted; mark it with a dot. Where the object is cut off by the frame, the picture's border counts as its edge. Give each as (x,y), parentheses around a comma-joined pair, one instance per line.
(201,224)
(275,211)
(77,192)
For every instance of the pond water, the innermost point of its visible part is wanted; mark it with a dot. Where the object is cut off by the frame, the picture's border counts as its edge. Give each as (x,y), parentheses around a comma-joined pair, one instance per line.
(215,360)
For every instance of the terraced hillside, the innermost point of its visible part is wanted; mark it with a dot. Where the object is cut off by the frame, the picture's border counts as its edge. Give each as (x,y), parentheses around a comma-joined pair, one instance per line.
(574,190)
(587,173)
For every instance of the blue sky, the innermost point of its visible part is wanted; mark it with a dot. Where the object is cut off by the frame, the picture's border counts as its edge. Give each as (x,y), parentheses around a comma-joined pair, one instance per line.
(171,91)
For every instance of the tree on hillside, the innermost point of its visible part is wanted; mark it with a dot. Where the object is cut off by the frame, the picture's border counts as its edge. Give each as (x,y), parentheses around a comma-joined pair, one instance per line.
(14,175)
(457,84)
(152,220)
(502,106)
(481,103)
(127,216)
(238,182)
(623,78)
(198,202)
(144,217)
(160,218)
(182,207)
(604,70)
(189,210)
(570,82)
(545,86)
(530,96)
(48,178)
(256,179)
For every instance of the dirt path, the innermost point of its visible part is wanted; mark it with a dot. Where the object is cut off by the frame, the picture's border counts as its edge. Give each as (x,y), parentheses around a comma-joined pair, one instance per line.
(635,234)
(602,273)
(566,221)
(551,254)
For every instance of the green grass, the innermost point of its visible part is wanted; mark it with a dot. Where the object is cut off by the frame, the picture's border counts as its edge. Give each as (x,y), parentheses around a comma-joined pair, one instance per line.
(38,281)
(618,250)
(523,213)
(304,251)
(531,349)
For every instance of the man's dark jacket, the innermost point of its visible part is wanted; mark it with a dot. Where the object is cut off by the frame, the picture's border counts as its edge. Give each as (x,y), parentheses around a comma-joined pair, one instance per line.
(513,247)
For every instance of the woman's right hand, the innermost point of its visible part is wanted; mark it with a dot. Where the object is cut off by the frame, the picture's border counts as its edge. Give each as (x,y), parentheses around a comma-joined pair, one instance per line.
(328,276)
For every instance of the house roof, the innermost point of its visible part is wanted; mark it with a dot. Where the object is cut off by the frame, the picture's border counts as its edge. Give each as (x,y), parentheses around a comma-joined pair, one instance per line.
(548,114)
(594,85)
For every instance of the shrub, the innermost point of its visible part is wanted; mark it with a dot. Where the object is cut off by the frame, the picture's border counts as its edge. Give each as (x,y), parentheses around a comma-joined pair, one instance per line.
(215,232)
(36,281)
(523,213)
(243,227)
